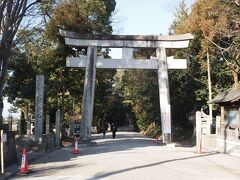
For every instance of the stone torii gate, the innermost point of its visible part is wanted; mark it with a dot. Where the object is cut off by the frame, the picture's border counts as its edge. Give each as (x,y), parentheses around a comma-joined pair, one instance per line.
(126,42)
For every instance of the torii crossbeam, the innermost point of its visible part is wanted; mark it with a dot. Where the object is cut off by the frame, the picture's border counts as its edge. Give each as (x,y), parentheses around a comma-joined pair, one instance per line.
(127,42)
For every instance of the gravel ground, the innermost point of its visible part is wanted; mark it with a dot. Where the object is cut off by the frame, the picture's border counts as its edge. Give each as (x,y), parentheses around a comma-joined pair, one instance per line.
(133,156)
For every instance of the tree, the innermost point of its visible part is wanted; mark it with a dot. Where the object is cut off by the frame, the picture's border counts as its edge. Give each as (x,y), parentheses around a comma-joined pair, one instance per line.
(139,89)
(87,17)
(12,13)
(45,52)
(213,22)
(206,21)
(228,40)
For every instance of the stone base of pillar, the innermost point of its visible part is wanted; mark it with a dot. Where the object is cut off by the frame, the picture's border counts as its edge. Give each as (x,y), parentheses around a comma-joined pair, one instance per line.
(167,138)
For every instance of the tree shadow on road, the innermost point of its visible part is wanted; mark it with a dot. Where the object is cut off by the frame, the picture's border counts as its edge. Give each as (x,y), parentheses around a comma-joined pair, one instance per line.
(104,175)
(124,141)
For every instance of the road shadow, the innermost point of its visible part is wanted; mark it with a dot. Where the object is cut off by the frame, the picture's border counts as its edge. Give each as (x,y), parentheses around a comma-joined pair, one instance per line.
(105,175)
(124,141)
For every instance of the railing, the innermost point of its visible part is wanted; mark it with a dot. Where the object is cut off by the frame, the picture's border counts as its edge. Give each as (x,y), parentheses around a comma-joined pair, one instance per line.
(226,132)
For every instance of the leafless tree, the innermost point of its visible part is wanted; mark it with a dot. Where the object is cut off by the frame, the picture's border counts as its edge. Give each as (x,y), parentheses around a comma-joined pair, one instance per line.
(229,42)
(12,13)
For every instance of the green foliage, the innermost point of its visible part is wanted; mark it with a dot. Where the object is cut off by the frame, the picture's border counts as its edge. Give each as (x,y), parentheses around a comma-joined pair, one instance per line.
(153,130)
(44,52)
(140,90)
(83,16)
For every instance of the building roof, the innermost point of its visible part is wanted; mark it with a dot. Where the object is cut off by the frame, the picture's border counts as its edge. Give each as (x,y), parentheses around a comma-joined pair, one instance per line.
(231,95)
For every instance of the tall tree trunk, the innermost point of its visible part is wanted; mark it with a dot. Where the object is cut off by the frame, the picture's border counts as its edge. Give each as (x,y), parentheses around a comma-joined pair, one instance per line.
(236,84)
(209,86)
(11,15)
(5,53)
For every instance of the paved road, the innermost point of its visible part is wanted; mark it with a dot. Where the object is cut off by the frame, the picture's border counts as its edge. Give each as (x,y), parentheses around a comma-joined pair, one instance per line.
(133,156)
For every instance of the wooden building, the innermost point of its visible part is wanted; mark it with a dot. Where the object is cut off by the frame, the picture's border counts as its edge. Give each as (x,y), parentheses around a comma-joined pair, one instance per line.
(228,126)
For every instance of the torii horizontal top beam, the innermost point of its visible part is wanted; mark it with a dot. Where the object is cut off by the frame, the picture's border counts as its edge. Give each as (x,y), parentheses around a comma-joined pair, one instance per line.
(131,41)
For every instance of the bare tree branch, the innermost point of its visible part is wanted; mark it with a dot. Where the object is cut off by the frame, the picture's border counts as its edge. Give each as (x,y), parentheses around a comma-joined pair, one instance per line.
(221,48)
(2,7)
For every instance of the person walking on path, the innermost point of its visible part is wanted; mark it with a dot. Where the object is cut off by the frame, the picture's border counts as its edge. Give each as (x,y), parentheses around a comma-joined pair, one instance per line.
(104,129)
(114,130)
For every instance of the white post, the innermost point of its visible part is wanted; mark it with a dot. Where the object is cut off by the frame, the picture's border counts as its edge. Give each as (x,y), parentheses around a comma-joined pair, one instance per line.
(2,153)
(218,125)
(88,94)
(209,88)
(198,127)
(164,96)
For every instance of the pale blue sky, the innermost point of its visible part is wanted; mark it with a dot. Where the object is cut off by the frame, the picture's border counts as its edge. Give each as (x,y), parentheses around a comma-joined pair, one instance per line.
(144,17)
(139,17)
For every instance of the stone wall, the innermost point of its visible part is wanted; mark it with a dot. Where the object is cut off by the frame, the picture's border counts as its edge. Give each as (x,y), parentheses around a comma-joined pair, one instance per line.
(209,142)
(28,142)
(225,140)
(228,146)
(9,148)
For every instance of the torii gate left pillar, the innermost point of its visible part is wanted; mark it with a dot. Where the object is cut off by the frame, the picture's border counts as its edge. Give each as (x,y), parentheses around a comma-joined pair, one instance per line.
(88,94)
(164,96)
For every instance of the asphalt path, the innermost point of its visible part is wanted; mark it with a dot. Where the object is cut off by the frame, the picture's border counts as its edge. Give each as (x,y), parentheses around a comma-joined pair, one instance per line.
(133,156)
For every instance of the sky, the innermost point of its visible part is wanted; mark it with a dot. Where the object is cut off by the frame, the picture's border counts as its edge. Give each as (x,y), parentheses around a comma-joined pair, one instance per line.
(138,17)
(144,17)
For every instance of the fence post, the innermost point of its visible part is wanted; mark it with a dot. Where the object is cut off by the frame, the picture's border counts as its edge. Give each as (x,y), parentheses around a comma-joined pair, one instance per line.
(198,127)
(218,125)
(2,153)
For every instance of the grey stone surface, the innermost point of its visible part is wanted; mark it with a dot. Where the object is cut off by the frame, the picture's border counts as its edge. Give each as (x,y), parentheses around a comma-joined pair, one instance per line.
(47,124)
(29,125)
(88,94)
(164,96)
(58,129)
(38,129)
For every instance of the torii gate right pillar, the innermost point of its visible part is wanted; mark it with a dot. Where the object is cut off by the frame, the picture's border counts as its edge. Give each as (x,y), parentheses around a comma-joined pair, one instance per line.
(164,97)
